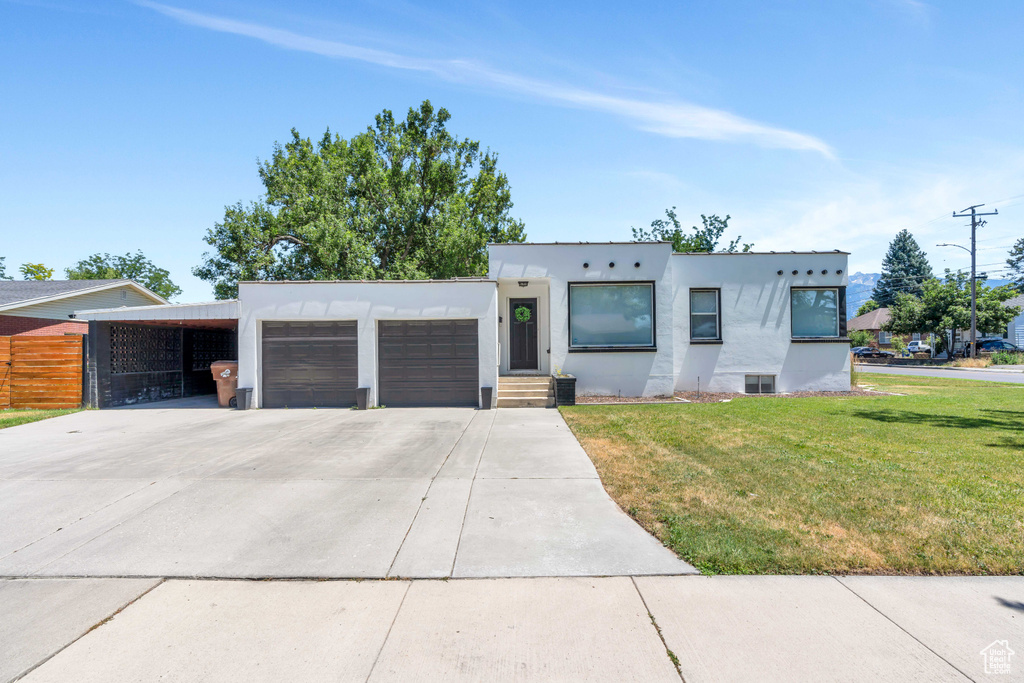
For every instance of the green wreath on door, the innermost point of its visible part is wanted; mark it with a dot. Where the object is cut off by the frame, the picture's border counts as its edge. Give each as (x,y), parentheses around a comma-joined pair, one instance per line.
(523,314)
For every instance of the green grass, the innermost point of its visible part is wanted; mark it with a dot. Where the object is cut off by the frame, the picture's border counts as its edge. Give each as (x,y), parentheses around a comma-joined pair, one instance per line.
(927,483)
(13,418)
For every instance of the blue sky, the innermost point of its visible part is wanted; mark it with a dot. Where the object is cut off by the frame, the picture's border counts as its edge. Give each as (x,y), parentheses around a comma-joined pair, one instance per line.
(130,125)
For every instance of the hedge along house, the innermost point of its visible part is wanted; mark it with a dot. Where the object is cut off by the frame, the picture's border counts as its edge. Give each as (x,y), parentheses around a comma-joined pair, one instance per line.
(630,319)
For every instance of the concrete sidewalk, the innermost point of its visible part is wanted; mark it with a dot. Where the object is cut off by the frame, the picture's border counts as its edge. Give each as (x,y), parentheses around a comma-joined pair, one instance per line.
(727,628)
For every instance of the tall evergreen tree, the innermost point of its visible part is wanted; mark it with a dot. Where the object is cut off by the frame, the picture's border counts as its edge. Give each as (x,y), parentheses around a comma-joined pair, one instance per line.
(904,269)
(1016,265)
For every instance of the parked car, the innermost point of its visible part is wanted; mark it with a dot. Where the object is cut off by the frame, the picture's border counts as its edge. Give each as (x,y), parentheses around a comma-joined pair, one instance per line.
(872,352)
(996,345)
(918,347)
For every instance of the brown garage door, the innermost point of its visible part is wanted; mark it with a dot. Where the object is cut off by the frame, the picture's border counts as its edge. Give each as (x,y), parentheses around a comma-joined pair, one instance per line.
(428,362)
(309,364)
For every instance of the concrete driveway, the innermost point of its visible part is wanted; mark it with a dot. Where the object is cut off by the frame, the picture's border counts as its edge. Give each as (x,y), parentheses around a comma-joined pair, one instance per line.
(181,489)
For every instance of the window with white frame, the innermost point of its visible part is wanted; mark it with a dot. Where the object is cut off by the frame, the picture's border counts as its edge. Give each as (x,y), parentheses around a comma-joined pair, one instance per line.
(815,312)
(915,337)
(616,315)
(884,337)
(705,315)
(760,384)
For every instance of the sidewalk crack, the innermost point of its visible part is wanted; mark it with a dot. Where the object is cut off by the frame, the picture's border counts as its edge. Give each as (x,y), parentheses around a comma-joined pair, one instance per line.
(668,651)
(894,623)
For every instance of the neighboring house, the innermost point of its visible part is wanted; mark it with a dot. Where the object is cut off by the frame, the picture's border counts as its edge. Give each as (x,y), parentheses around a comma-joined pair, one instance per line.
(873,321)
(41,307)
(630,319)
(1015,330)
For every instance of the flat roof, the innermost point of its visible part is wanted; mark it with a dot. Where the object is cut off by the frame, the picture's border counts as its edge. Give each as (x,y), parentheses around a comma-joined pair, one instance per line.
(569,244)
(675,253)
(759,253)
(364,282)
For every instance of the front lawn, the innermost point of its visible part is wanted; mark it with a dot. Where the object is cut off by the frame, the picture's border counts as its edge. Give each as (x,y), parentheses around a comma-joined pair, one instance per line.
(930,482)
(12,418)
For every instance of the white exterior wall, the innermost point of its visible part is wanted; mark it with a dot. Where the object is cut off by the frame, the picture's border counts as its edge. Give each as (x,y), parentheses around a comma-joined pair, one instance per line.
(755,318)
(366,303)
(60,309)
(755,303)
(631,373)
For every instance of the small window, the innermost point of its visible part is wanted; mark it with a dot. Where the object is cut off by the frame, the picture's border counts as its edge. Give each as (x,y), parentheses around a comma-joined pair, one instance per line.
(915,337)
(760,384)
(884,337)
(124,294)
(705,315)
(815,312)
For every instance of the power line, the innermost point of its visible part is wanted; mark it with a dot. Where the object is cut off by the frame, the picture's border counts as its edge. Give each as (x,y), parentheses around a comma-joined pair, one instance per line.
(975,224)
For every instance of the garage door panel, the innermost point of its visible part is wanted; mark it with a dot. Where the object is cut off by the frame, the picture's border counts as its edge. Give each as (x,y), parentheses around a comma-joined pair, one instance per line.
(309,363)
(428,363)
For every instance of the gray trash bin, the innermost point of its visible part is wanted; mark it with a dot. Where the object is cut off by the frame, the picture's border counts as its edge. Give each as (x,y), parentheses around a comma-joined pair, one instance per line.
(243,398)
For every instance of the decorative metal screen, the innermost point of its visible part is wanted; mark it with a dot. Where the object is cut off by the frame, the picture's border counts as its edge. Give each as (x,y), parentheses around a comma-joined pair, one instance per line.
(209,346)
(144,349)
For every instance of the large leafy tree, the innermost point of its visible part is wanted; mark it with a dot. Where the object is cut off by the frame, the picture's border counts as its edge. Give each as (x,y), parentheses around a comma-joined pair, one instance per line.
(35,271)
(405,199)
(904,269)
(946,305)
(1016,264)
(130,267)
(704,238)
(3,269)
(868,306)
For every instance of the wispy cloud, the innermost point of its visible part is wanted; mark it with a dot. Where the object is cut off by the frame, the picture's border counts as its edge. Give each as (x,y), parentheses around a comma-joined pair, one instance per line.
(670,119)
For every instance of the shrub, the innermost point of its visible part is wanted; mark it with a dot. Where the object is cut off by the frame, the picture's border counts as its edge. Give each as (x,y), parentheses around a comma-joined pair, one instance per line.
(1008,358)
(899,345)
(861,338)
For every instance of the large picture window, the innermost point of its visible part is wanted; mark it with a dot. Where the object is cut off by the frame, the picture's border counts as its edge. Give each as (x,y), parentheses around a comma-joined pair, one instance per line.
(815,312)
(705,319)
(611,316)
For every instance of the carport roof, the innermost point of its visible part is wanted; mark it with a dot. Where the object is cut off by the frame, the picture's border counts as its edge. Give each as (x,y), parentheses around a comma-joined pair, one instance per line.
(174,313)
(365,282)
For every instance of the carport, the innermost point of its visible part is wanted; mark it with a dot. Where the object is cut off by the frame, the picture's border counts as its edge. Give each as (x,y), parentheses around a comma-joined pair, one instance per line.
(155,353)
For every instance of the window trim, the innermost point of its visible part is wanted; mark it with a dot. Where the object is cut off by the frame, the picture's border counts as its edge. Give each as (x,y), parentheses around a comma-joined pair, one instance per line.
(840,314)
(611,349)
(717,339)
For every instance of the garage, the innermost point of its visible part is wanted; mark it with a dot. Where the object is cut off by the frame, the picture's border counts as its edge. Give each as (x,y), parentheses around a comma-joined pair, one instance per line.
(428,362)
(310,363)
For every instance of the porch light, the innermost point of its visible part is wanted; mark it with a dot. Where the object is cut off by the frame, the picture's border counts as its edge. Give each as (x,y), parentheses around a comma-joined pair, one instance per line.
(524,283)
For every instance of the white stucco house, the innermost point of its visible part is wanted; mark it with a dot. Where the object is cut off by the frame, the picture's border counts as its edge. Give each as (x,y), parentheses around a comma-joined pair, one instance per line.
(629,319)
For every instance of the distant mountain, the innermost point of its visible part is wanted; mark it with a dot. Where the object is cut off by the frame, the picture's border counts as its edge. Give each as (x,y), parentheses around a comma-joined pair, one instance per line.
(859,290)
(862,284)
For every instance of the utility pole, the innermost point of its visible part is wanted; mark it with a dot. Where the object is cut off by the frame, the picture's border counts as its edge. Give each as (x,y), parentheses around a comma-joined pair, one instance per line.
(975,224)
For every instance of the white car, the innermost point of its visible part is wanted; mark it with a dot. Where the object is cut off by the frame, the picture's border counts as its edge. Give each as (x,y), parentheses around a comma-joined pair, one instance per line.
(918,347)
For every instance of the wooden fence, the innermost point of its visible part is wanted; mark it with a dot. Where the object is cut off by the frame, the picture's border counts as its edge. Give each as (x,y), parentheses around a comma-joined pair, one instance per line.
(41,372)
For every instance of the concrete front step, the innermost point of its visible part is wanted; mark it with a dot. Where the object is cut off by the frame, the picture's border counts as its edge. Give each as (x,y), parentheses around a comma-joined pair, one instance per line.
(532,391)
(526,402)
(518,379)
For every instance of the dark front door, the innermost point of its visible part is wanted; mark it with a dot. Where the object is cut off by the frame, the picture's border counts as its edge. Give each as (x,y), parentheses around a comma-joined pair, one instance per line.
(428,362)
(523,334)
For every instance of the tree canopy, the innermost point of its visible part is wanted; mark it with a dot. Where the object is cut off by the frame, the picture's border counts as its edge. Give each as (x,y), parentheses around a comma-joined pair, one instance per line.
(868,306)
(704,238)
(130,266)
(3,269)
(905,268)
(946,305)
(405,199)
(1016,265)
(35,271)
